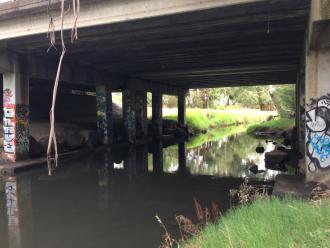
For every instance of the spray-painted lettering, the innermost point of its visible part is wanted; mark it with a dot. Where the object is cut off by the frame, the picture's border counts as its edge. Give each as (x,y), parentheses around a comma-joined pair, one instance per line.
(318,134)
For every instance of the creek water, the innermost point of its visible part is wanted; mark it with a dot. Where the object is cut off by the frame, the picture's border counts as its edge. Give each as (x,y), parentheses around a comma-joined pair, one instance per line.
(111,199)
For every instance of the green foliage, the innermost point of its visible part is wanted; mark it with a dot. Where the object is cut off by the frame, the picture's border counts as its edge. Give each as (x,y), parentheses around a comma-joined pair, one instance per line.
(286,99)
(170,101)
(283,123)
(203,119)
(270,222)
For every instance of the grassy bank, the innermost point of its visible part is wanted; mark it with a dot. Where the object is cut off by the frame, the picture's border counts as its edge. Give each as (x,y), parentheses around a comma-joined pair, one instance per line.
(270,223)
(283,123)
(204,119)
(214,134)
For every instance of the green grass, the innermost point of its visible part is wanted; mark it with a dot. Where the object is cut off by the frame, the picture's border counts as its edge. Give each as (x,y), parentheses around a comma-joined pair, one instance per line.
(214,134)
(270,223)
(282,123)
(204,119)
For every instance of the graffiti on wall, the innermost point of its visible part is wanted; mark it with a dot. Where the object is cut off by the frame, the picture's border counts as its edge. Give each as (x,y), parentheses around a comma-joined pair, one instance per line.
(9,124)
(16,127)
(318,134)
(12,203)
(101,111)
(22,130)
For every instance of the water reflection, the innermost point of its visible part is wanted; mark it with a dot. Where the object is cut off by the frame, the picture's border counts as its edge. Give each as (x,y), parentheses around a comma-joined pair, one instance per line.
(110,199)
(229,156)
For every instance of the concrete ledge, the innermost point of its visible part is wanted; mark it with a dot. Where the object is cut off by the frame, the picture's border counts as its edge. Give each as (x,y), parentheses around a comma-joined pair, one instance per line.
(13,168)
(294,186)
(9,169)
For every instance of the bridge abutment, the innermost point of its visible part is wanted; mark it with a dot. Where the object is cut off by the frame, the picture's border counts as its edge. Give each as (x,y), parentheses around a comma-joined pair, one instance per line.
(317,108)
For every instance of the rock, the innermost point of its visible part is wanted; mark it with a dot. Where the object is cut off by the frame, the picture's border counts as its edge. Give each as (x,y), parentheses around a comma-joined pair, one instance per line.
(276,157)
(260,149)
(254,169)
(43,142)
(91,138)
(73,139)
(35,148)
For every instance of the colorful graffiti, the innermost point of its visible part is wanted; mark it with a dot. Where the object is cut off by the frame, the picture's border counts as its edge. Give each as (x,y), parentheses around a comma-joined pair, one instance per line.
(318,134)
(101,111)
(22,131)
(9,124)
(16,127)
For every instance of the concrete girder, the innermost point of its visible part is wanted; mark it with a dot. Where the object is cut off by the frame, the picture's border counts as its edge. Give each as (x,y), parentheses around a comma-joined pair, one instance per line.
(39,68)
(139,84)
(16,23)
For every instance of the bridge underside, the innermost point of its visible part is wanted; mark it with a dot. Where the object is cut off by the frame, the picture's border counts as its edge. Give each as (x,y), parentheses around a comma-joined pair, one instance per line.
(256,43)
(168,47)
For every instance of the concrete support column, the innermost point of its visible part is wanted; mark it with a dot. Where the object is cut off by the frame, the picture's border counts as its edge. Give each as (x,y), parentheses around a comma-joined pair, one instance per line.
(157,157)
(317,88)
(157,113)
(182,108)
(182,157)
(104,114)
(141,111)
(318,115)
(129,114)
(16,113)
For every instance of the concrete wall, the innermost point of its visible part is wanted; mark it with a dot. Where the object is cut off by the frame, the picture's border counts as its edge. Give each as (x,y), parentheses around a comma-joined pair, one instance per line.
(318,94)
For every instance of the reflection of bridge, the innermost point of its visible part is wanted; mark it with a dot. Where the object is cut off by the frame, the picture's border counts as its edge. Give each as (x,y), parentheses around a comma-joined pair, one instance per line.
(167,47)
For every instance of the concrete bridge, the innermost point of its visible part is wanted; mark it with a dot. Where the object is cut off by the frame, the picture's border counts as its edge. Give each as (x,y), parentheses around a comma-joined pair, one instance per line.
(168,47)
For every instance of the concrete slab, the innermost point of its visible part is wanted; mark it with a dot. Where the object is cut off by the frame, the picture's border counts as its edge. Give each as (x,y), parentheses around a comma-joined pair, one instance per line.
(295,186)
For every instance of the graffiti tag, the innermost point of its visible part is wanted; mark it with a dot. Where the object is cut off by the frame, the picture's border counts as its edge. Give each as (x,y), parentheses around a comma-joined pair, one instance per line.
(318,134)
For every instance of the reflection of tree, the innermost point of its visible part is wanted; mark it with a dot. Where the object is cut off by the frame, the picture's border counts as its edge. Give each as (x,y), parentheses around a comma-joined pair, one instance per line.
(222,157)
(171,161)
(227,156)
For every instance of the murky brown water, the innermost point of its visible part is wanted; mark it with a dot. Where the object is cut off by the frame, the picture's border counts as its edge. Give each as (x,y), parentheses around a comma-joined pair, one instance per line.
(110,200)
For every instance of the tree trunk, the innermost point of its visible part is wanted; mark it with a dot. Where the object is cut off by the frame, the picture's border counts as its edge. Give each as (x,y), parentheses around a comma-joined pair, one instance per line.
(276,102)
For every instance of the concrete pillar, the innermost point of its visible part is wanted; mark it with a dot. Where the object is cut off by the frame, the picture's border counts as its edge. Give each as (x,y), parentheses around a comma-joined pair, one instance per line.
(130,162)
(104,114)
(157,157)
(141,111)
(16,113)
(318,94)
(182,157)
(157,113)
(129,114)
(182,108)
(318,115)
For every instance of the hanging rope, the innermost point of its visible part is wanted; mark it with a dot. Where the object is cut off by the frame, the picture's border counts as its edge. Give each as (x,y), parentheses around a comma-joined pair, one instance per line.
(51,35)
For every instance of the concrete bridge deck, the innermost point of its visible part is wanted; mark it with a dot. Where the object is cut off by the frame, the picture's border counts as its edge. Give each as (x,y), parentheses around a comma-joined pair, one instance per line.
(186,44)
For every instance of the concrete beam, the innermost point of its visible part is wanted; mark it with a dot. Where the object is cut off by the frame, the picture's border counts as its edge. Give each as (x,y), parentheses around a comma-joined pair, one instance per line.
(44,69)
(138,84)
(319,28)
(17,20)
